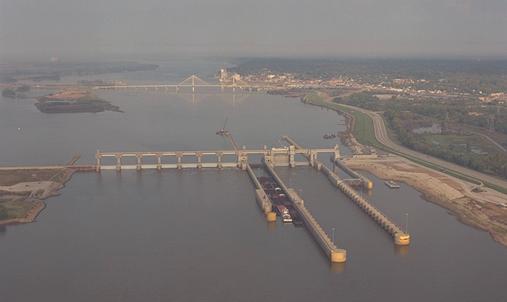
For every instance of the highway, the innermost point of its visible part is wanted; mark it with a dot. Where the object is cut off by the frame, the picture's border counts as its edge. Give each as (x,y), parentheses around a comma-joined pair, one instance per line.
(382,136)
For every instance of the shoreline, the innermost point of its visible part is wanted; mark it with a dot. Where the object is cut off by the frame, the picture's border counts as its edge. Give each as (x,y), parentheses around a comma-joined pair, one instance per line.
(31,215)
(471,209)
(38,204)
(464,207)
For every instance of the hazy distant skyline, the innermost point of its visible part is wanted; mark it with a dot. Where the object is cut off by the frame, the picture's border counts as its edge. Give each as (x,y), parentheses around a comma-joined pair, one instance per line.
(333,28)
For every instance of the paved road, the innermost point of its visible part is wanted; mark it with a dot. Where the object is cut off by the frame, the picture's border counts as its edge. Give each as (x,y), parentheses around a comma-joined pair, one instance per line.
(382,136)
(492,141)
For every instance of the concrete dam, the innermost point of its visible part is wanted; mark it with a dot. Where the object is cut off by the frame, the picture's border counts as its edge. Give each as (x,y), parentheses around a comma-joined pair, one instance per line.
(271,158)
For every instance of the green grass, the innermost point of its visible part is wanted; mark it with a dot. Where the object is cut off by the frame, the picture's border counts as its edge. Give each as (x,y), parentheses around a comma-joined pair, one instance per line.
(459,142)
(364,133)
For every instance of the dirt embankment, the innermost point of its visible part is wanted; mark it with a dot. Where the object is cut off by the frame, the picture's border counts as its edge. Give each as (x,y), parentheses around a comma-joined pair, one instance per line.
(486,210)
(22,192)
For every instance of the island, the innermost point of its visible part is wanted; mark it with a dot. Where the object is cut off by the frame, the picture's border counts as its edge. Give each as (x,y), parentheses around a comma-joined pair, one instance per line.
(15,92)
(73,101)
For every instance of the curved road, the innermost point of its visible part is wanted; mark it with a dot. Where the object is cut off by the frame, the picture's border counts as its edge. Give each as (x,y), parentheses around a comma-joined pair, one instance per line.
(382,136)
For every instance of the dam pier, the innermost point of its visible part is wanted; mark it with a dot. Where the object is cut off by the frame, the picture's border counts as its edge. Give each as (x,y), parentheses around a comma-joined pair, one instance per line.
(219,158)
(271,158)
(292,156)
(400,237)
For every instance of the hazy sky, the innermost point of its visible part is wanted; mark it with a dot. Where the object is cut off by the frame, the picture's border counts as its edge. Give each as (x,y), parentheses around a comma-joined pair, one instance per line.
(254,27)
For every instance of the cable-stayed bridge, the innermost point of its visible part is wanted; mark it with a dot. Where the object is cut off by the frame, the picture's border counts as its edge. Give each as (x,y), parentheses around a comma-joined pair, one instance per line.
(194,82)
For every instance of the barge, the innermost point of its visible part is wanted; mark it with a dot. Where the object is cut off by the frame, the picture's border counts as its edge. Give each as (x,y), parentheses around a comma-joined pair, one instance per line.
(281,203)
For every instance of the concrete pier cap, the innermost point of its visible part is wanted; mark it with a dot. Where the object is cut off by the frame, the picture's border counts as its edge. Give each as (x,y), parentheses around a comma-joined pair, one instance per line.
(402,239)
(369,185)
(338,256)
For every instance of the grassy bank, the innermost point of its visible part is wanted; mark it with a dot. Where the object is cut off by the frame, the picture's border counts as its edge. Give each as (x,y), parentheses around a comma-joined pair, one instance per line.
(363,125)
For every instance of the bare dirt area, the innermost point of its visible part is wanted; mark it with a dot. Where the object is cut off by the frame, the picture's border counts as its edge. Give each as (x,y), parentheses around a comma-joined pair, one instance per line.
(22,192)
(485,208)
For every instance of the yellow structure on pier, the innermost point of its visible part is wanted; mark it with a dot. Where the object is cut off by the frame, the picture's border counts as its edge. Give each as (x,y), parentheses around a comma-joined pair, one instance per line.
(338,256)
(271,216)
(369,185)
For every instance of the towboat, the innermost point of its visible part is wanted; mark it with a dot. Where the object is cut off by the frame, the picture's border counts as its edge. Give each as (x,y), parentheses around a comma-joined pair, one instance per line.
(391,184)
(284,213)
(329,136)
(286,218)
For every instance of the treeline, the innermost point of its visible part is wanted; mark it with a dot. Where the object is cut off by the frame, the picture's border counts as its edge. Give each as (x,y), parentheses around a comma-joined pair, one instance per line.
(404,115)
(15,92)
(495,164)
(458,111)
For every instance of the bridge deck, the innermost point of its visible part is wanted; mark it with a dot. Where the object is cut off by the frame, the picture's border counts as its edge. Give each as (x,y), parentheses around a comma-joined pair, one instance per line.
(206,152)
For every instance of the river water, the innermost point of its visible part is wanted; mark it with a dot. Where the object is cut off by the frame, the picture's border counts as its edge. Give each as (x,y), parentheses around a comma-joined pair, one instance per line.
(199,235)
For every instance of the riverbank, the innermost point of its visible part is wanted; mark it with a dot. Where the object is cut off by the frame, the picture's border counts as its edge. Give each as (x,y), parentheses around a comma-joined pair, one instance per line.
(485,210)
(369,129)
(22,193)
(359,133)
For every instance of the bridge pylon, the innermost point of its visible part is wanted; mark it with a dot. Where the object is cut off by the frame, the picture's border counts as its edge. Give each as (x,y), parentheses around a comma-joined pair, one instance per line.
(192,81)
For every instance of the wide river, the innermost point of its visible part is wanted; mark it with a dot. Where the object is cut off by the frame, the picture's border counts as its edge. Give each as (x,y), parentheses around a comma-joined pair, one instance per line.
(199,235)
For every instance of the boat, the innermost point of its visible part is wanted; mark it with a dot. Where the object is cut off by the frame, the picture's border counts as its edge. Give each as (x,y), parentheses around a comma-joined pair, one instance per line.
(286,218)
(284,213)
(264,179)
(391,184)
(329,136)
(222,131)
(278,197)
(296,220)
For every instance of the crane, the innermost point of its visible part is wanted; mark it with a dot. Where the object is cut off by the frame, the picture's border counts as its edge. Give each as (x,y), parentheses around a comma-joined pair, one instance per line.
(222,131)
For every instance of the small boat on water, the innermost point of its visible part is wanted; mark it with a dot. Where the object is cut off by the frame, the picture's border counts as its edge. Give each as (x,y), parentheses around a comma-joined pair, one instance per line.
(391,184)
(329,136)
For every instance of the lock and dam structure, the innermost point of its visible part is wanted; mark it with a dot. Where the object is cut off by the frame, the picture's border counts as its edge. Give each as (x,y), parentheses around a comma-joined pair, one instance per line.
(292,156)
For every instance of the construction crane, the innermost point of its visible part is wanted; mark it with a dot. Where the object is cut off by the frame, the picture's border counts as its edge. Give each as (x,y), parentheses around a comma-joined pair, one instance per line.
(222,131)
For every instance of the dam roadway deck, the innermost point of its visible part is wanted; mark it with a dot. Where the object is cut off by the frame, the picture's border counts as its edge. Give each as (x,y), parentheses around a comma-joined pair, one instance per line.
(282,156)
